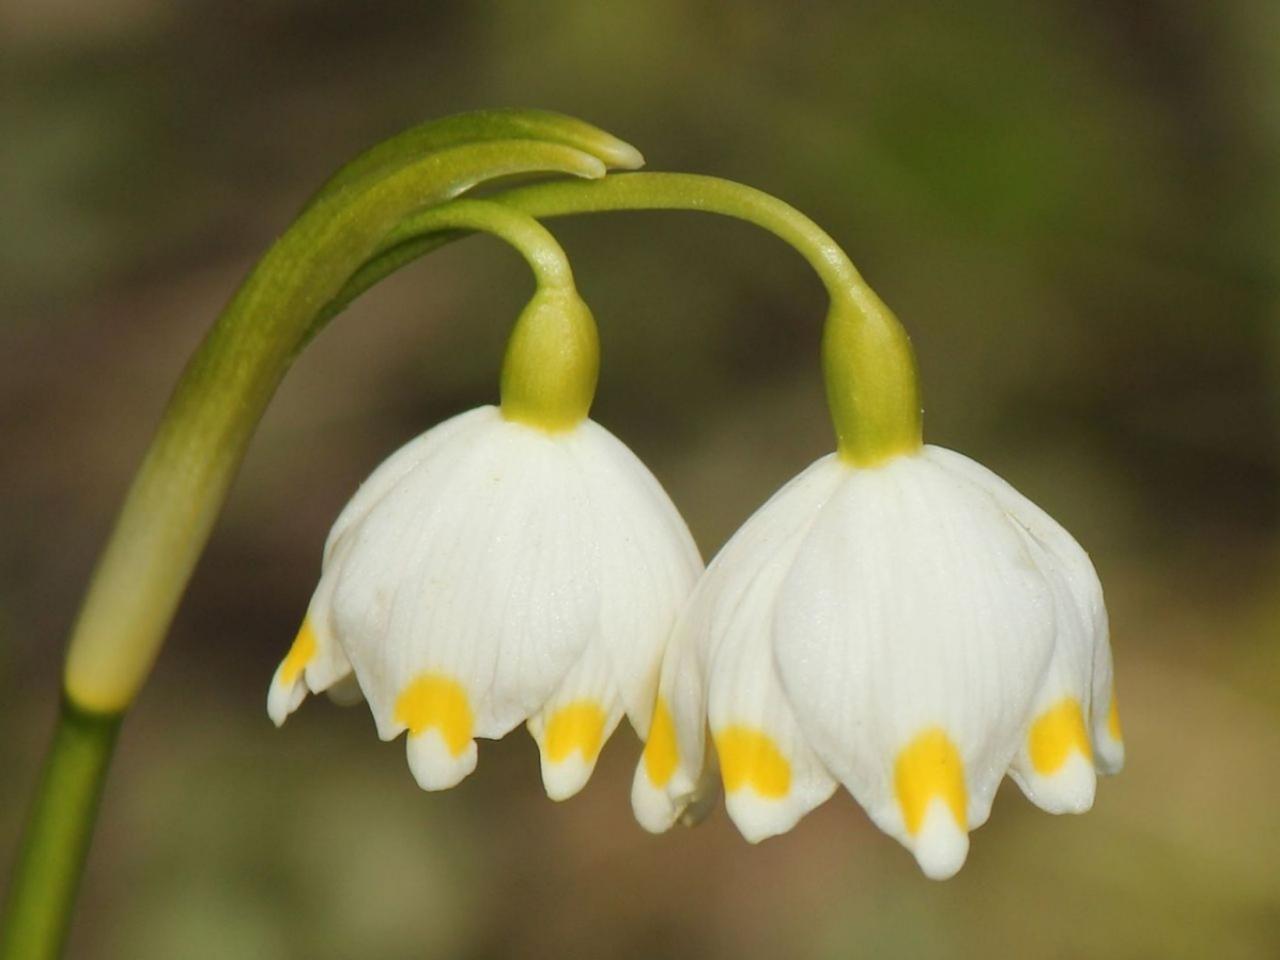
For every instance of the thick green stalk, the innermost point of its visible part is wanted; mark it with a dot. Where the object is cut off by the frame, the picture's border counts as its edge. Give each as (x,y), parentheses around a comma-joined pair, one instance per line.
(57,837)
(870,367)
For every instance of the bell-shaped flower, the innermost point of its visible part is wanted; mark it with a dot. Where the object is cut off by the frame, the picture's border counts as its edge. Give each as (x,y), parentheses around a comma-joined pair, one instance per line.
(513,564)
(897,620)
(912,630)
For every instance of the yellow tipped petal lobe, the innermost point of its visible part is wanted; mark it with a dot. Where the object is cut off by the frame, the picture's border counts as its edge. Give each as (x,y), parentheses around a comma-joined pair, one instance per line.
(929,767)
(299,655)
(660,751)
(1113,720)
(576,726)
(1055,734)
(434,700)
(750,757)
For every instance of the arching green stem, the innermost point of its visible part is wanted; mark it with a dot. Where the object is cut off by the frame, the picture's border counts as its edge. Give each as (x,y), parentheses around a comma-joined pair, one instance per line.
(872,387)
(529,238)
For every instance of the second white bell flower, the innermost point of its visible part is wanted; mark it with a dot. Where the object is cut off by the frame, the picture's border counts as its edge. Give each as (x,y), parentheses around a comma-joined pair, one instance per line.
(913,630)
(491,573)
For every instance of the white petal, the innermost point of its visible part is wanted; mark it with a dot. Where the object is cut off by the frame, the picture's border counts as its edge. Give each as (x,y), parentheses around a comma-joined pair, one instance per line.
(1073,565)
(284,698)
(1104,720)
(439,441)
(434,762)
(346,692)
(326,665)
(477,567)
(914,624)
(665,791)
(671,777)
(1077,567)
(771,776)
(942,845)
(315,662)
(575,724)
(646,565)
(1054,766)
(1103,714)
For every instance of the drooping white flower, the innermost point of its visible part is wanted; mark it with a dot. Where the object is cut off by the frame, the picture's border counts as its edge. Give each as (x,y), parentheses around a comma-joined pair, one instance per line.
(491,573)
(913,630)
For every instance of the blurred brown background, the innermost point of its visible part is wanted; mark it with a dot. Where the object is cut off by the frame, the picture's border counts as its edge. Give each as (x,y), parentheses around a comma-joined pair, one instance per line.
(1072,205)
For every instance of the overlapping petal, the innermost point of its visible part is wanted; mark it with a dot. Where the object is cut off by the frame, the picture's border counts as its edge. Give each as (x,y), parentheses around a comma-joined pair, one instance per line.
(718,660)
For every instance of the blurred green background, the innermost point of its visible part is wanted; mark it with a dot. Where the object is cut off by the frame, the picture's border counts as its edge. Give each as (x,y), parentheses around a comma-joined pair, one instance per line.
(1074,207)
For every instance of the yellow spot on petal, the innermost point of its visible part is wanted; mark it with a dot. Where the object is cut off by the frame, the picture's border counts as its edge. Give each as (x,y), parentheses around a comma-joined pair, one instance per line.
(434,700)
(660,752)
(299,655)
(1113,720)
(576,726)
(749,757)
(930,766)
(1057,732)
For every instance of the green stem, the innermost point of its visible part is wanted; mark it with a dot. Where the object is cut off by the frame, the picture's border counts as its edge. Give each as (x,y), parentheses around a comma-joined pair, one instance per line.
(414,237)
(529,238)
(47,872)
(870,367)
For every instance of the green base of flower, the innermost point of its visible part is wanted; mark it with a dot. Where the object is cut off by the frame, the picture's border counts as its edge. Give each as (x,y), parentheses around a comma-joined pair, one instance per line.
(47,873)
(552,361)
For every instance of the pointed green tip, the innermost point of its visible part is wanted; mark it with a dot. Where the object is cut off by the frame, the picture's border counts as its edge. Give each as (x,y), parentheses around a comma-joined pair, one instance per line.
(614,152)
(587,166)
(620,155)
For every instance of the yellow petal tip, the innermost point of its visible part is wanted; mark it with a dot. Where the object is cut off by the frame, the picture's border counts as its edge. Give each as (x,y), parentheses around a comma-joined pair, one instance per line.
(300,654)
(1055,734)
(434,700)
(750,758)
(928,767)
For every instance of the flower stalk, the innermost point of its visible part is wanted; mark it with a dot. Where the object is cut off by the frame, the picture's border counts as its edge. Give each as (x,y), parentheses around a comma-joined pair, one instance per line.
(57,836)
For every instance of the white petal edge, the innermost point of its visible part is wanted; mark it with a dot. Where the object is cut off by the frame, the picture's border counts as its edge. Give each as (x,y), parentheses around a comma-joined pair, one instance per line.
(647,565)
(1083,582)
(686,668)
(478,566)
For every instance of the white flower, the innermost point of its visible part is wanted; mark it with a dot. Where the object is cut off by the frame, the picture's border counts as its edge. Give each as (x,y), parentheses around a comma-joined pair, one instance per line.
(491,572)
(912,630)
